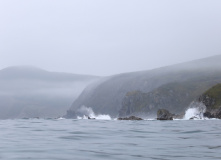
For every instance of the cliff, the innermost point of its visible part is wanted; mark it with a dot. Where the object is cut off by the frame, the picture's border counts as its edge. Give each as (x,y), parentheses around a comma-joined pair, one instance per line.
(108,95)
(174,97)
(212,100)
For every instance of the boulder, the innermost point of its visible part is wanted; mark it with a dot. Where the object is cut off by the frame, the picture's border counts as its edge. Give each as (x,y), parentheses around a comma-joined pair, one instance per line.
(208,115)
(163,114)
(213,114)
(90,117)
(194,117)
(130,118)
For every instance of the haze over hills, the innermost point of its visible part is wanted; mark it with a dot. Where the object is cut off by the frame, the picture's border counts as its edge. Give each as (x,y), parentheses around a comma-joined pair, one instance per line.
(27,91)
(185,81)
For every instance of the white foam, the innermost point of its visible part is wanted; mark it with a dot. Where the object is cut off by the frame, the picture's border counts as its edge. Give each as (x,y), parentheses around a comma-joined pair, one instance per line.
(90,113)
(192,113)
(60,118)
(195,111)
(150,119)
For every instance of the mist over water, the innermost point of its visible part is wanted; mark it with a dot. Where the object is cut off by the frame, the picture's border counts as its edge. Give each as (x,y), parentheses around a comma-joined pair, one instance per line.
(29,92)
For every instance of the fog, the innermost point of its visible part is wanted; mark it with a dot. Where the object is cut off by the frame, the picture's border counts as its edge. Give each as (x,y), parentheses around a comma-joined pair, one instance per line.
(27,92)
(98,37)
(103,37)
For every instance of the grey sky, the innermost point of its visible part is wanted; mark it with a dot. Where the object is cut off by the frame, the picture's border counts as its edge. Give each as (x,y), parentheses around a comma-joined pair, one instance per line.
(104,37)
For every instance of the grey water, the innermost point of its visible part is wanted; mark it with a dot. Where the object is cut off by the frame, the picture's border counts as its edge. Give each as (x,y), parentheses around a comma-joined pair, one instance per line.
(66,139)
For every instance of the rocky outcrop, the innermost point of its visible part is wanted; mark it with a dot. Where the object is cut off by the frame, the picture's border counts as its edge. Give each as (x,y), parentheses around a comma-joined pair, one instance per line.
(130,118)
(213,114)
(212,100)
(208,115)
(163,114)
(218,114)
(90,117)
(207,100)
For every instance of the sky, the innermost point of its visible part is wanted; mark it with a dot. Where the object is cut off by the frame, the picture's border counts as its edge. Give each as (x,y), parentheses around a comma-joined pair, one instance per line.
(106,37)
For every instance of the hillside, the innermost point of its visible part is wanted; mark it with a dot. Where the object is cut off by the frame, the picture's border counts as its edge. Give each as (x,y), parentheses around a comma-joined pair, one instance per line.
(212,100)
(174,97)
(107,96)
(27,91)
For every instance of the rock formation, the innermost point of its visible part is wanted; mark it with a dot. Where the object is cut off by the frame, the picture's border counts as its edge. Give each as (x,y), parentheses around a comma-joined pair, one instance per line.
(130,118)
(163,114)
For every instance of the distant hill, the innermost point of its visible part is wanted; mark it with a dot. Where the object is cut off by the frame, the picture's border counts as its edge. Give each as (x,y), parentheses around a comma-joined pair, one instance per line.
(29,92)
(177,85)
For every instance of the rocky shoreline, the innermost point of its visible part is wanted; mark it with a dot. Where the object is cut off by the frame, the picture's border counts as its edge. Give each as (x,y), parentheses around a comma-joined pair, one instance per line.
(130,118)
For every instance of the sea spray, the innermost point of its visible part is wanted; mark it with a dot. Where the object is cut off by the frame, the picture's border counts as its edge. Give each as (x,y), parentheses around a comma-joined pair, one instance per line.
(88,113)
(195,111)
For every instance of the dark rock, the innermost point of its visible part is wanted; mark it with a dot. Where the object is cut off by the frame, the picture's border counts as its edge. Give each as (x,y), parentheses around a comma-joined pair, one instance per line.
(207,100)
(36,118)
(162,119)
(130,118)
(218,114)
(208,115)
(178,116)
(163,114)
(90,117)
(213,114)
(193,117)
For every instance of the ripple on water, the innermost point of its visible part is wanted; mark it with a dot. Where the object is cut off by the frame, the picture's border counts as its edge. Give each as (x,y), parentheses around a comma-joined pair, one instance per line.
(98,140)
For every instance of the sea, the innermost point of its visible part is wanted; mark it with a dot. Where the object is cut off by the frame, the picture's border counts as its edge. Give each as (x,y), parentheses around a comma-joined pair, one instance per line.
(109,139)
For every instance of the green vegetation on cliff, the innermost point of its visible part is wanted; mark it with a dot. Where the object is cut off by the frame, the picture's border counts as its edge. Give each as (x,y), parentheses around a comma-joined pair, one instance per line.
(174,97)
(214,93)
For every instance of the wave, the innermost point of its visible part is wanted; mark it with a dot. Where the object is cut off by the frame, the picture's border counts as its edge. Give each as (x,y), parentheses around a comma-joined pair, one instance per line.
(88,113)
(196,111)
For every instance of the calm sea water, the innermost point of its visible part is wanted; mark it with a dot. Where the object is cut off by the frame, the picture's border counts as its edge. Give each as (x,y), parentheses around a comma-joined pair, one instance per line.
(39,139)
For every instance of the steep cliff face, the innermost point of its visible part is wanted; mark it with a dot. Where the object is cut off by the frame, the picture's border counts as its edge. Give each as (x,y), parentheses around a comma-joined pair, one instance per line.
(174,97)
(212,97)
(212,100)
(107,96)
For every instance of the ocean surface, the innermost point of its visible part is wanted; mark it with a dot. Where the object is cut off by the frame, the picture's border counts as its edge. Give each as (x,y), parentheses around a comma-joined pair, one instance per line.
(68,139)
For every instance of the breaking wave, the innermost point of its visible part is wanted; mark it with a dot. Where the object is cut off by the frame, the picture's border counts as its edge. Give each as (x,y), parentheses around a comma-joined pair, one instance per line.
(88,113)
(195,111)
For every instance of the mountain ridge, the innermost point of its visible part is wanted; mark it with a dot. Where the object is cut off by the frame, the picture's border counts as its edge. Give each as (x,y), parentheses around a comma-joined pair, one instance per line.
(16,72)
(32,92)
